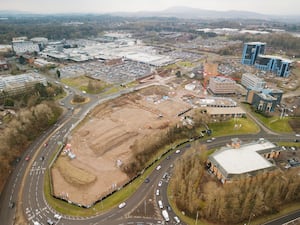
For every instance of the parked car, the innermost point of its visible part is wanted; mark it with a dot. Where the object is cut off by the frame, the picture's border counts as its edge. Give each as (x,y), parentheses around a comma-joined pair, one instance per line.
(57,216)
(27,158)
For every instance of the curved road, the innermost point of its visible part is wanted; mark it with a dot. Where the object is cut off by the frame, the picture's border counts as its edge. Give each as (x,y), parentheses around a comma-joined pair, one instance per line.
(28,179)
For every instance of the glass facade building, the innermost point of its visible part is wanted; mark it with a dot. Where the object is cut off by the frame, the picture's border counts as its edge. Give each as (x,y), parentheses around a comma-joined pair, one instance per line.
(253,54)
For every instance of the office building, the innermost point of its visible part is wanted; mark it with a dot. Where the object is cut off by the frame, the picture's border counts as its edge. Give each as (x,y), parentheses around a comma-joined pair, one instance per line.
(265,100)
(254,54)
(221,85)
(251,51)
(16,84)
(252,82)
(275,64)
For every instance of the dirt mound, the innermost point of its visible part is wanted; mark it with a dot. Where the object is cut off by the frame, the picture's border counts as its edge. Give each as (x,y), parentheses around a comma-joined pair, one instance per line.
(74,175)
(111,142)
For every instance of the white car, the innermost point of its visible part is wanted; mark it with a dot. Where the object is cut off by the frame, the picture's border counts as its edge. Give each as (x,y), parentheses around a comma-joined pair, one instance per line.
(159,183)
(177,220)
(158,167)
(122,205)
(157,192)
(57,216)
(177,151)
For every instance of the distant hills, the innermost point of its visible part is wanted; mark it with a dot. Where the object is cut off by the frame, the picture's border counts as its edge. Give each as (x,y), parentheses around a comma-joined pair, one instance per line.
(195,13)
(179,12)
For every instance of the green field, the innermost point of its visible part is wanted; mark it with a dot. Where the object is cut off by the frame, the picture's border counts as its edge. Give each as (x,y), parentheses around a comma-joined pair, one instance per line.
(274,123)
(234,126)
(86,84)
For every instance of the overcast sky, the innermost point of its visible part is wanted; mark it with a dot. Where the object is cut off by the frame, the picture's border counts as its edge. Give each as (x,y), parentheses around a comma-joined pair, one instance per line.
(277,7)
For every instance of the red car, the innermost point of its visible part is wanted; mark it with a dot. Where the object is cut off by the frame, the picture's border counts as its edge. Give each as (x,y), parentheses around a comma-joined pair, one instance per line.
(27,158)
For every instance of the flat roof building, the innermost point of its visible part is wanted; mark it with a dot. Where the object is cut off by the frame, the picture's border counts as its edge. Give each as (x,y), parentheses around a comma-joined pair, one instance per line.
(237,159)
(21,47)
(221,85)
(250,81)
(16,84)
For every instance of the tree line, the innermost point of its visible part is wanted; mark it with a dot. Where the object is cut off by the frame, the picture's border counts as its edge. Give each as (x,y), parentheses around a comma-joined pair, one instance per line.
(34,114)
(285,42)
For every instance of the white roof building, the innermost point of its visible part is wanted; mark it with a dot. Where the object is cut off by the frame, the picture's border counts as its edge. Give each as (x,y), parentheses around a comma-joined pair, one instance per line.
(247,159)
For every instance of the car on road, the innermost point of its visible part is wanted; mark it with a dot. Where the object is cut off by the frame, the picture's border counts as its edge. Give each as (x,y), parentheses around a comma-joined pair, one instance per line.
(147,180)
(122,205)
(168,157)
(159,183)
(177,220)
(158,167)
(177,151)
(36,223)
(11,205)
(208,141)
(27,158)
(157,192)
(160,204)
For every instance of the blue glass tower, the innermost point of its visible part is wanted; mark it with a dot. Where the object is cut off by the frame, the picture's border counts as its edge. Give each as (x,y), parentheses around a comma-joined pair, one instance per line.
(251,51)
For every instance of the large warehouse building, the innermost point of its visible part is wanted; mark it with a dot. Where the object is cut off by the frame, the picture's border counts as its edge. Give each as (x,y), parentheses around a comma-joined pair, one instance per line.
(236,160)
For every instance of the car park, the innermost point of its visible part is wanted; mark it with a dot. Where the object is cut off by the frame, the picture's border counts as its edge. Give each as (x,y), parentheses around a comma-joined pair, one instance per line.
(122,205)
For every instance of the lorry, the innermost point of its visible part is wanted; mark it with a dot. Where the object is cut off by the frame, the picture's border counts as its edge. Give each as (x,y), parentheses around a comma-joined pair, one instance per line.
(165,215)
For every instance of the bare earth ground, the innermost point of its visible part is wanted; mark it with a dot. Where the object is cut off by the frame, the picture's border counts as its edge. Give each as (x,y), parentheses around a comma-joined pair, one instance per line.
(106,137)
